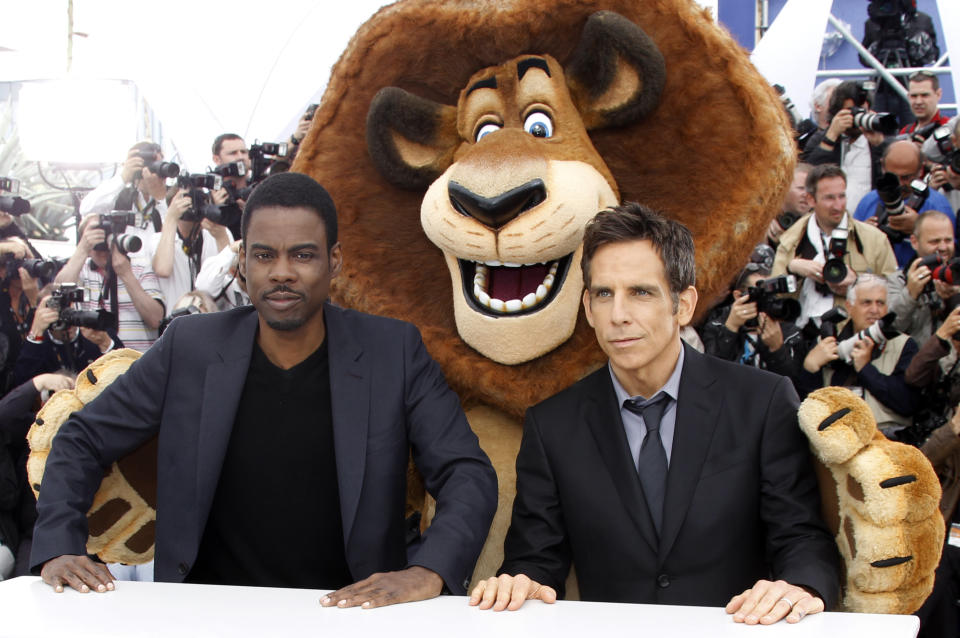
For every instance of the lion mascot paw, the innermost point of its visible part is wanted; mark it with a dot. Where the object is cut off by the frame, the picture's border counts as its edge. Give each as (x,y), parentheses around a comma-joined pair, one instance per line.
(122,517)
(884,510)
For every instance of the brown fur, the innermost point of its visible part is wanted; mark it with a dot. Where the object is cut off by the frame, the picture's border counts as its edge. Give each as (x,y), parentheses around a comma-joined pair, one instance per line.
(715,154)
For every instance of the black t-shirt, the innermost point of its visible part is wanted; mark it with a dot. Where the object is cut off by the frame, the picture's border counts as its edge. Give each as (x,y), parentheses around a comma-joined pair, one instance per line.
(275,519)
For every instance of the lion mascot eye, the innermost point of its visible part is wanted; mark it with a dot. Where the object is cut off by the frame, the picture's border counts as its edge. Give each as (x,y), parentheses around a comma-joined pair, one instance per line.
(486,129)
(538,124)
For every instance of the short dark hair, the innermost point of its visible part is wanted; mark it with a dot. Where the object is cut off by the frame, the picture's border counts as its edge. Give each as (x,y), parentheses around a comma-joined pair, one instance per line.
(822,172)
(631,221)
(292,190)
(849,90)
(925,76)
(218,143)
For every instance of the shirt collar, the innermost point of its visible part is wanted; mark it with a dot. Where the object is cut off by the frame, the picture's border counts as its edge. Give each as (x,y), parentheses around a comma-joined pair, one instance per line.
(671,387)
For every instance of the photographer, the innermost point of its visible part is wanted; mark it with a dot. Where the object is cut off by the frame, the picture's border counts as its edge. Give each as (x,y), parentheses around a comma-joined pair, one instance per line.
(229,151)
(220,279)
(741,332)
(98,259)
(140,186)
(943,156)
(18,296)
(934,371)
(867,357)
(854,140)
(915,295)
(900,196)
(185,243)
(796,204)
(827,249)
(925,93)
(54,343)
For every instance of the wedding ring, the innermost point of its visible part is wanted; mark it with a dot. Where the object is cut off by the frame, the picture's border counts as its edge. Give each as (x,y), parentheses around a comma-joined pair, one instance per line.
(788,601)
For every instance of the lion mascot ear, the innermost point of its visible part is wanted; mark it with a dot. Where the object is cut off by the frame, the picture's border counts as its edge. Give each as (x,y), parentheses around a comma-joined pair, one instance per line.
(615,77)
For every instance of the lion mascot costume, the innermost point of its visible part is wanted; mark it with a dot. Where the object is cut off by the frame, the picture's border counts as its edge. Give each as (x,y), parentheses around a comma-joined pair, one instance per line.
(467,143)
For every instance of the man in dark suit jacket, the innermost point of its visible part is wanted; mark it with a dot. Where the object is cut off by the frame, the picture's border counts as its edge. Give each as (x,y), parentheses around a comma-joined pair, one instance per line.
(736,497)
(284,435)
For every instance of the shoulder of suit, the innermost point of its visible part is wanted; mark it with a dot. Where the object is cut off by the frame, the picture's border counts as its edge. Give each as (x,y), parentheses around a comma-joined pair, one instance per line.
(594,383)
(366,324)
(736,373)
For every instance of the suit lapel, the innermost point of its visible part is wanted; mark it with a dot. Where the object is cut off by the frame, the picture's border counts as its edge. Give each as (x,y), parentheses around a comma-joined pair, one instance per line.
(350,395)
(222,387)
(599,411)
(697,413)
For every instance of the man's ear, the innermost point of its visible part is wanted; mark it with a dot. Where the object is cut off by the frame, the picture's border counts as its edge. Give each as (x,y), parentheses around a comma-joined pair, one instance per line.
(586,307)
(336,260)
(242,261)
(616,74)
(913,242)
(686,305)
(411,140)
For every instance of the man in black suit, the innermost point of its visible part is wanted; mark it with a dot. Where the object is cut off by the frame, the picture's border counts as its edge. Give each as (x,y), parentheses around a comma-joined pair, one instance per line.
(700,491)
(284,434)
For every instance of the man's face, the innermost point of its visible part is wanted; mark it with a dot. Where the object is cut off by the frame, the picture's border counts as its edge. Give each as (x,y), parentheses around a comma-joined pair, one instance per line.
(287,266)
(797,199)
(903,163)
(231,151)
(924,100)
(630,308)
(869,306)
(830,202)
(934,236)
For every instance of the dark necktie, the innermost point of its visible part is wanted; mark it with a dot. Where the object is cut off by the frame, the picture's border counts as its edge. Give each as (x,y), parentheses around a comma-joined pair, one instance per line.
(652,465)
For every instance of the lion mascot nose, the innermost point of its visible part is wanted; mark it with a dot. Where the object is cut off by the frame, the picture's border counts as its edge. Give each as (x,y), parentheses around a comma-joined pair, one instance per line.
(497,211)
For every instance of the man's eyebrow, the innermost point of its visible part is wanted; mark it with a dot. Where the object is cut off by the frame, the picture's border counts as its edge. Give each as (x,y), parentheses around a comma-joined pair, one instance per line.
(488,83)
(258,246)
(303,246)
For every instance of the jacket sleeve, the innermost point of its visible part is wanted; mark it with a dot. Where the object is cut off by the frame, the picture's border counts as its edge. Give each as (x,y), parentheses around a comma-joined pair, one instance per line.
(900,302)
(924,367)
(896,394)
(455,470)
(536,543)
(941,445)
(718,340)
(799,546)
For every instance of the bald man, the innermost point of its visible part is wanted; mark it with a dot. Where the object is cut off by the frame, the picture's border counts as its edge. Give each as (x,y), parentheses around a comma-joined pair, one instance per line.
(904,160)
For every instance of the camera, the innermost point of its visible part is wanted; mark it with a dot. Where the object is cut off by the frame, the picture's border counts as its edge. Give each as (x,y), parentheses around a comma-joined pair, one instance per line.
(764,294)
(885,123)
(233,169)
(66,294)
(787,219)
(36,268)
(201,207)
(310,112)
(157,167)
(829,321)
(890,193)
(180,312)
(113,224)
(261,155)
(11,204)
(834,270)
(879,332)
(948,273)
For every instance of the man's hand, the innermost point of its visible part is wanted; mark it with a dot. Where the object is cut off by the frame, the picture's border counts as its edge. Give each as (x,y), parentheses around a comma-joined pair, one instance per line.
(219,197)
(766,603)
(806,268)
(177,207)
(821,354)
(944,290)
(97,337)
(131,167)
(120,262)
(510,592)
(387,588)
(741,311)
(841,287)
(770,333)
(303,126)
(839,125)
(874,138)
(79,572)
(92,236)
(43,317)
(905,221)
(937,176)
(950,325)
(917,277)
(861,353)
(29,286)
(52,382)
(873,221)
(16,247)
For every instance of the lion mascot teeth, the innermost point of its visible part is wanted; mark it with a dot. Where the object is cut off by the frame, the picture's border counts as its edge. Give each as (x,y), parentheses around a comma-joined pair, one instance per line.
(882,504)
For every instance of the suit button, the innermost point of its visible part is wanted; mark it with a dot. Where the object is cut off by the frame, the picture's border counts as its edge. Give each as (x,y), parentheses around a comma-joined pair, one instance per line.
(663,580)
(183,569)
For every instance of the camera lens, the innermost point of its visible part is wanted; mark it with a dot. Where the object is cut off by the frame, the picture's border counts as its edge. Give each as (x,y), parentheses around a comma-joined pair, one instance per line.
(834,271)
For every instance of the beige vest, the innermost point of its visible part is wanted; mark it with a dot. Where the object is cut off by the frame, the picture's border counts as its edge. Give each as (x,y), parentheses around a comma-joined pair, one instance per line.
(885,363)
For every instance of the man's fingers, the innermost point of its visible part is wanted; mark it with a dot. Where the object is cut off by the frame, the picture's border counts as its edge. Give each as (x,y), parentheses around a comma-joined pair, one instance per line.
(805,607)
(491,585)
(504,592)
(477,593)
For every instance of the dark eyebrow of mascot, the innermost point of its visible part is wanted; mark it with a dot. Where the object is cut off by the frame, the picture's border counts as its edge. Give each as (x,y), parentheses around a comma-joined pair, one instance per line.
(512,178)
